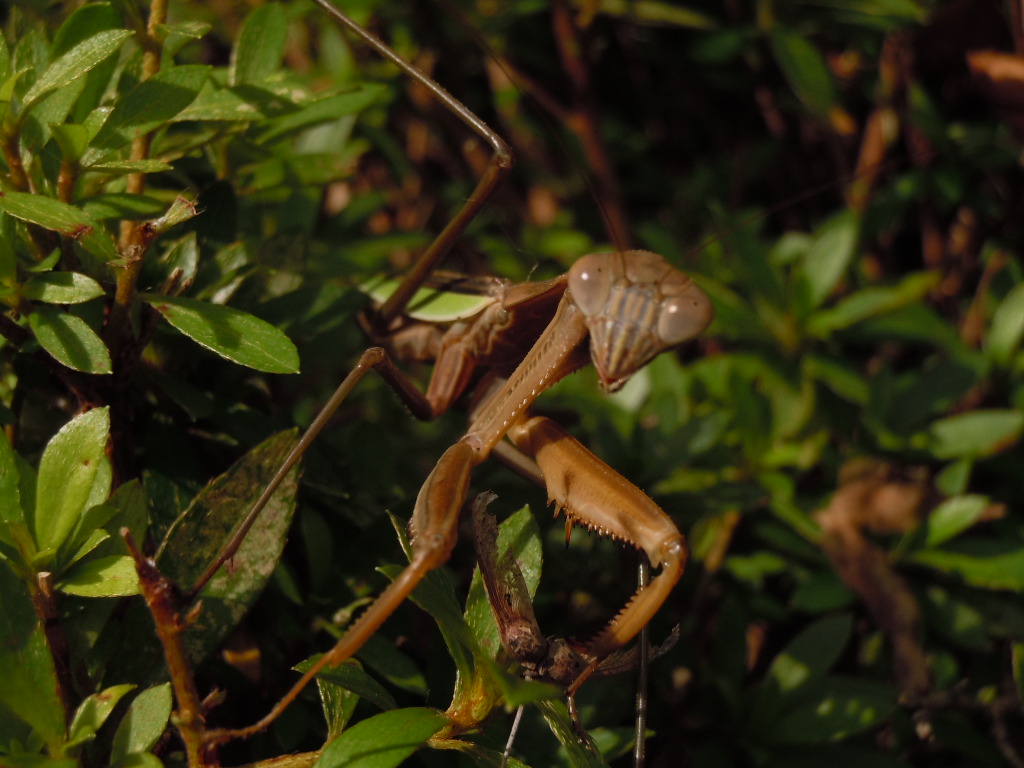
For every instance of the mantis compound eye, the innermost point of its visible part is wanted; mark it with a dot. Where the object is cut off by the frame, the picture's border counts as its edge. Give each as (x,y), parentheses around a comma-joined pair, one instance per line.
(684,316)
(590,282)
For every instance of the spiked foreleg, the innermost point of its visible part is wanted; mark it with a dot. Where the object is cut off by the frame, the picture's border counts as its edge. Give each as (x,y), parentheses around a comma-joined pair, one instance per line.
(593,494)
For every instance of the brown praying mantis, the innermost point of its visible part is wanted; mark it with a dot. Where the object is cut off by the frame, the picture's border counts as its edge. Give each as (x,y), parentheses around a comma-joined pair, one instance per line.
(615,311)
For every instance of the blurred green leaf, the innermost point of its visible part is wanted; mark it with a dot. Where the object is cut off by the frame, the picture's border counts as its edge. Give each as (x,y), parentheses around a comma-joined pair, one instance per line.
(260,46)
(804,69)
(1007,326)
(838,708)
(382,741)
(976,433)
(953,516)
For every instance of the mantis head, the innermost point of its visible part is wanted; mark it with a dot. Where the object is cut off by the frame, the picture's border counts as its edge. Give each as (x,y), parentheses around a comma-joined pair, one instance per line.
(636,306)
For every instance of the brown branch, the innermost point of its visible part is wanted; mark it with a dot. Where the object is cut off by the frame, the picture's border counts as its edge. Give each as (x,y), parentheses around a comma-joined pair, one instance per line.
(162,600)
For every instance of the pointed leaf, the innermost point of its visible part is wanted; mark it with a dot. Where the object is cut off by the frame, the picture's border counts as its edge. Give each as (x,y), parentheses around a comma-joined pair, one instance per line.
(260,45)
(60,217)
(231,333)
(113,576)
(977,433)
(147,106)
(198,534)
(94,711)
(67,472)
(953,516)
(75,63)
(61,288)
(70,340)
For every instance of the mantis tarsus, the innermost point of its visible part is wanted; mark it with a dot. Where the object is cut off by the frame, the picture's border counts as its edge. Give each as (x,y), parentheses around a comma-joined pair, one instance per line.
(616,311)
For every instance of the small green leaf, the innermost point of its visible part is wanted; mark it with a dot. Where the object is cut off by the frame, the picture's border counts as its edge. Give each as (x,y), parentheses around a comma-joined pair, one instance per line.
(61,288)
(113,576)
(980,562)
(811,653)
(829,257)
(231,333)
(382,741)
(72,140)
(94,711)
(147,106)
(1007,326)
(70,467)
(805,70)
(977,433)
(60,217)
(954,516)
(143,723)
(257,55)
(328,108)
(70,340)
(351,676)
(74,64)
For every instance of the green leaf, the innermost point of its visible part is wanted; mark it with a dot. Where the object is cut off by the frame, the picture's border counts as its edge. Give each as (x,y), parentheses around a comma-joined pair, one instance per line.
(977,433)
(838,708)
(74,64)
(70,340)
(200,531)
(72,464)
(805,70)
(146,107)
(429,304)
(811,653)
(954,516)
(130,166)
(231,333)
(1007,326)
(143,723)
(260,46)
(829,256)
(61,288)
(113,576)
(871,302)
(980,562)
(382,741)
(322,110)
(60,217)
(94,711)
(11,515)
(351,677)
(28,685)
